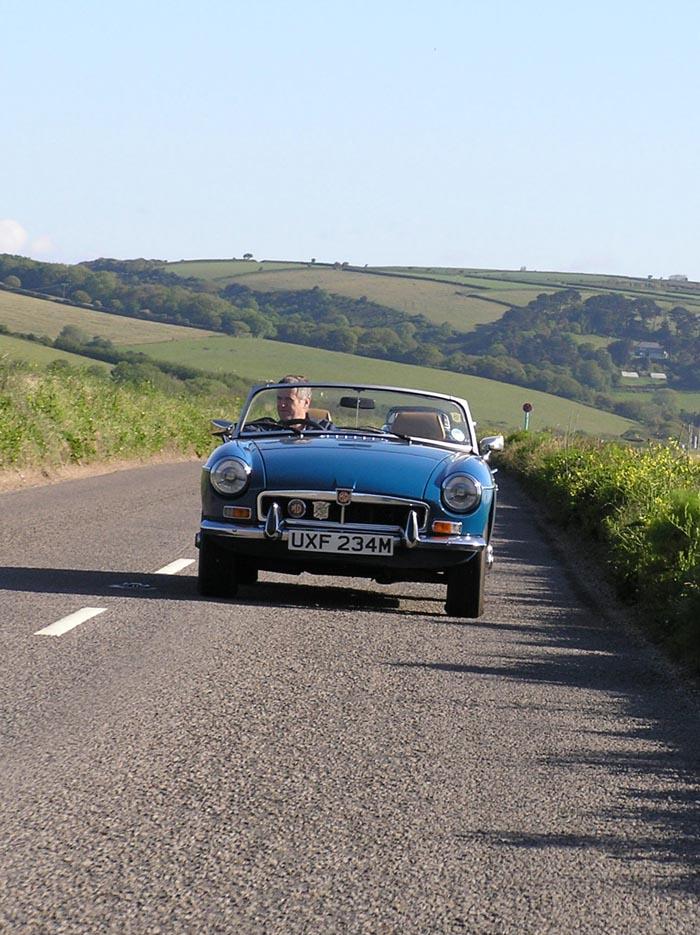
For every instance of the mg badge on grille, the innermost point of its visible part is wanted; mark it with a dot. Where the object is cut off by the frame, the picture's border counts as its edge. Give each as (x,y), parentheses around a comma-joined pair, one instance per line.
(321,509)
(343,495)
(296,508)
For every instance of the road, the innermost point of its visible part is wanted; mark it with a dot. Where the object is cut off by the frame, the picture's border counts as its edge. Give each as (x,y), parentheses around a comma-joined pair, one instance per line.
(324,756)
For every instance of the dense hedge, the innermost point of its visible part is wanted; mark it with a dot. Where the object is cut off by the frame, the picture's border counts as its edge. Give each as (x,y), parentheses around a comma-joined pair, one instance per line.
(641,509)
(62,417)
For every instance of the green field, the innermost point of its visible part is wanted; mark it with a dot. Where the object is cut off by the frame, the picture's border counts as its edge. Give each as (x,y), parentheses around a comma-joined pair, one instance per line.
(216,270)
(28,315)
(437,301)
(40,355)
(493,404)
(644,389)
(463,297)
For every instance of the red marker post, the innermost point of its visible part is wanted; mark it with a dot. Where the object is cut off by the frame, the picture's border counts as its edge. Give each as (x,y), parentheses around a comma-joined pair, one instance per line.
(527,409)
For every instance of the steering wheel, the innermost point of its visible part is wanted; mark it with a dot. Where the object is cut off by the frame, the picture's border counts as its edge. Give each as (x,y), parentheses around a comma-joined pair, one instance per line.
(307,422)
(265,423)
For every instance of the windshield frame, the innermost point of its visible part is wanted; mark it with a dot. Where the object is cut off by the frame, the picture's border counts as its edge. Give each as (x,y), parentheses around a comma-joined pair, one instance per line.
(470,442)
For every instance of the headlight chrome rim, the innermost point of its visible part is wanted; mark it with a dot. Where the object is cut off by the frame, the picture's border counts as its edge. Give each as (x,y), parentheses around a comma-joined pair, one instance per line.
(230,476)
(449,492)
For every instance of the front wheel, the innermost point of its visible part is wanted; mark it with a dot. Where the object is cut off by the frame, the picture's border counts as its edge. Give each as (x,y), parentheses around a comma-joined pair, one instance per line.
(217,573)
(465,588)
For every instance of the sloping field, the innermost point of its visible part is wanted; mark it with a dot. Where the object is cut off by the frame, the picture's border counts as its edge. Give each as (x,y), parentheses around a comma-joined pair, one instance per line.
(217,270)
(43,317)
(17,349)
(465,297)
(533,282)
(437,301)
(494,404)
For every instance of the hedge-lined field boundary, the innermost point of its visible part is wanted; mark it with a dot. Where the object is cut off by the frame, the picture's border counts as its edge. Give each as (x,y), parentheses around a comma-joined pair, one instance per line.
(639,511)
(49,419)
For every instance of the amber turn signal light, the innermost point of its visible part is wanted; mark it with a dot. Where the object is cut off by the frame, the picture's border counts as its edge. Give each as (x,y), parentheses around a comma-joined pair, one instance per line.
(443,528)
(237,512)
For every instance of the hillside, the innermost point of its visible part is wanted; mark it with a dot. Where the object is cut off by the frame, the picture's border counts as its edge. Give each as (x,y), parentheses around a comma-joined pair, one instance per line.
(38,354)
(572,343)
(29,315)
(462,297)
(493,404)
(473,304)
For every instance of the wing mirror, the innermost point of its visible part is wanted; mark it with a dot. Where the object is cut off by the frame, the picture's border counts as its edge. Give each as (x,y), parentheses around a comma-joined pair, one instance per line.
(223,428)
(489,444)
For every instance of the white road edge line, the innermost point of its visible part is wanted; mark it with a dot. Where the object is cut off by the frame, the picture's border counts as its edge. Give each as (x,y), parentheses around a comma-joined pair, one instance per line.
(71,621)
(174,567)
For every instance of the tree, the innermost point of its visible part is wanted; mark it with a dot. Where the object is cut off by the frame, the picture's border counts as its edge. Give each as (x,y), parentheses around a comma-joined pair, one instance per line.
(81,296)
(14,282)
(247,256)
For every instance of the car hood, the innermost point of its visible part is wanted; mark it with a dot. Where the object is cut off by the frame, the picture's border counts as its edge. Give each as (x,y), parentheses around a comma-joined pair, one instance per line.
(379,466)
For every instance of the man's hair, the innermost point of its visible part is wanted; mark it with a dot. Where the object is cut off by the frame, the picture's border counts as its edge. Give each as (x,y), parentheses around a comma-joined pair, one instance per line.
(302,391)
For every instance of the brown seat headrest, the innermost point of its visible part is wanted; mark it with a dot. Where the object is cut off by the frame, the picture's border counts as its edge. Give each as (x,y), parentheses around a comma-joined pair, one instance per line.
(420,424)
(319,415)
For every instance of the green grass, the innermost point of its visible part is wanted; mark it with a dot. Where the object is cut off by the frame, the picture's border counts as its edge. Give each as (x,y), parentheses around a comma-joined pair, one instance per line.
(40,355)
(638,510)
(665,293)
(465,298)
(643,389)
(28,315)
(54,418)
(216,270)
(597,340)
(437,301)
(492,403)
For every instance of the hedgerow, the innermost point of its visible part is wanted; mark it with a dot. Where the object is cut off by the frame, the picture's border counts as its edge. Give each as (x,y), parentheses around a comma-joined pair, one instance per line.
(640,509)
(52,418)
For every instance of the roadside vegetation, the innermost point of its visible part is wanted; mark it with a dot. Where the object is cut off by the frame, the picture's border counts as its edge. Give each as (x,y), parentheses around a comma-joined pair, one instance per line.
(63,415)
(638,511)
(577,344)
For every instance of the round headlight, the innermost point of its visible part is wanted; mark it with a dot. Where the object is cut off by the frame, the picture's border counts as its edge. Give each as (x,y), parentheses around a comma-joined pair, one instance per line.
(230,476)
(461,493)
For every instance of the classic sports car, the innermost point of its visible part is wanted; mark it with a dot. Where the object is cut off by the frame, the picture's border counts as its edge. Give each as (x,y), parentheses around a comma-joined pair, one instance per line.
(374,481)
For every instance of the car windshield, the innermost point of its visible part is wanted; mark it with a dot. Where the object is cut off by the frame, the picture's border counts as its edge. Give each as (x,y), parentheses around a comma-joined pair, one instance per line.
(315,408)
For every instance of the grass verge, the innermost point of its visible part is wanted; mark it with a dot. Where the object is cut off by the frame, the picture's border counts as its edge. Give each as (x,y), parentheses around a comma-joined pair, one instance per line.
(639,511)
(50,419)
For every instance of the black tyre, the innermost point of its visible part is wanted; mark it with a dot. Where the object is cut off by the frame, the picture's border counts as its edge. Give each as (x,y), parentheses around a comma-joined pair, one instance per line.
(217,573)
(465,588)
(246,571)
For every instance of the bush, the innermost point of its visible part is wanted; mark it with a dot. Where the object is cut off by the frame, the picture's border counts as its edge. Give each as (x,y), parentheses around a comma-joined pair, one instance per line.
(642,507)
(65,416)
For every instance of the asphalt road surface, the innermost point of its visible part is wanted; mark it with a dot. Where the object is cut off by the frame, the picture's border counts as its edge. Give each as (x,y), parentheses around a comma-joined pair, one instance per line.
(320,755)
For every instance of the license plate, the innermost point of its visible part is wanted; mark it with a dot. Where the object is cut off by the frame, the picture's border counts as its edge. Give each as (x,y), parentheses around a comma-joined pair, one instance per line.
(303,540)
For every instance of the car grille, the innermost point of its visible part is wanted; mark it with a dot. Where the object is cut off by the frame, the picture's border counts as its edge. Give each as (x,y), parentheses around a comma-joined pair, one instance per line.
(366,512)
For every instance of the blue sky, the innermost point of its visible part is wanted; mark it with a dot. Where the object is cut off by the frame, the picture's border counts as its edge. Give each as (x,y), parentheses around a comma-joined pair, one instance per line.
(551,135)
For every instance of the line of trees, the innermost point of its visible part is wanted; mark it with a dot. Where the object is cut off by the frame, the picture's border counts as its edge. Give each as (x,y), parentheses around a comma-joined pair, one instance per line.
(541,345)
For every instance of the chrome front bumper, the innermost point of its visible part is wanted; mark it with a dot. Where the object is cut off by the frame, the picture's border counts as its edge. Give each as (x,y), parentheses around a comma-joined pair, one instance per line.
(276,530)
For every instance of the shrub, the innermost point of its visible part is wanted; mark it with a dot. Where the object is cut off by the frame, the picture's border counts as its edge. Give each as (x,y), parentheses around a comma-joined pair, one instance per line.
(642,507)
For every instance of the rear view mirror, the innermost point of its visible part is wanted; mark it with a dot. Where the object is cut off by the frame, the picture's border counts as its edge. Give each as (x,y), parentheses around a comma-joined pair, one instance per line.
(356,402)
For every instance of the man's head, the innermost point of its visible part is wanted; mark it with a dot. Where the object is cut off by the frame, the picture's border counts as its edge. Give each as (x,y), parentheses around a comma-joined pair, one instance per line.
(293,403)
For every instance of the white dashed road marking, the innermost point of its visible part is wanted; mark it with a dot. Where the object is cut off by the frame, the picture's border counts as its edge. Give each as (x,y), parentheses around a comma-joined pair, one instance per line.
(174,567)
(72,620)
(87,613)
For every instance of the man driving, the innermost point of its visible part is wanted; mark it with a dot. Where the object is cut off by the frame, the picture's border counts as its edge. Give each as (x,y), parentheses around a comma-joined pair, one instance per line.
(293,404)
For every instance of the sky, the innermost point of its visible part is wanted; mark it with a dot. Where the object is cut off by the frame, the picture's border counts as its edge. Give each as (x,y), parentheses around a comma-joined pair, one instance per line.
(556,136)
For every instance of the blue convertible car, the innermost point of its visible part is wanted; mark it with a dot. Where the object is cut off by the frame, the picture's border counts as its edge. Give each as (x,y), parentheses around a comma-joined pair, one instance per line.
(372,481)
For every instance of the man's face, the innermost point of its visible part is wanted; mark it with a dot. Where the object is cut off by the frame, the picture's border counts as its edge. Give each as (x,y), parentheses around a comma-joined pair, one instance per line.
(290,405)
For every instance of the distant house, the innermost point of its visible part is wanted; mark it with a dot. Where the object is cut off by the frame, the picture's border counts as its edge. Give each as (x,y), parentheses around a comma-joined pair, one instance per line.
(678,277)
(629,374)
(651,350)
(657,376)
